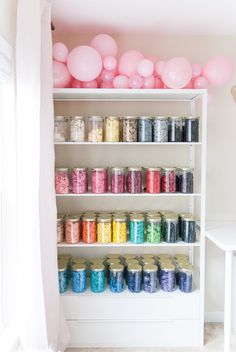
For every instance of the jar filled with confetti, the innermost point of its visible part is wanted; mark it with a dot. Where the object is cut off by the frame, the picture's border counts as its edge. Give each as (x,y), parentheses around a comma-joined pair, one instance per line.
(89,228)
(191,129)
(118,180)
(160,129)
(170,228)
(153,229)
(62,277)
(119,228)
(60,129)
(167,277)
(175,130)
(145,129)
(134,180)
(185,278)
(153,180)
(150,278)
(72,229)
(79,180)
(95,129)
(97,278)
(112,129)
(188,233)
(168,180)
(99,180)
(104,229)
(137,229)
(116,278)
(185,180)
(60,228)
(77,129)
(79,278)
(62,184)
(134,278)
(129,128)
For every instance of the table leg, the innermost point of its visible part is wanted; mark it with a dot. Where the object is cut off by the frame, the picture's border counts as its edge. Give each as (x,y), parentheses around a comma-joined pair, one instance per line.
(228,298)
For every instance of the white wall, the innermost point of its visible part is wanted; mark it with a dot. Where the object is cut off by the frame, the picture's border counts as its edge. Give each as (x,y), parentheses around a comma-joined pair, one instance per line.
(221,169)
(8,20)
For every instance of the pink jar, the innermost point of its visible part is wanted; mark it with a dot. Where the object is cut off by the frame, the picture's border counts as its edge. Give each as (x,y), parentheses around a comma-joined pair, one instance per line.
(61,181)
(73,229)
(79,180)
(134,180)
(99,180)
(118,180)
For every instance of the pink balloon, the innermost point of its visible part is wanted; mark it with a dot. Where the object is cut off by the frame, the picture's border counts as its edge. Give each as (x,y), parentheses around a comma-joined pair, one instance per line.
(145,68)
(158,83)
(61,75)
(159,66)
(129,61)
(110,63)
(189,85)
(218,70)
(107,76)
(105,45)
(90,84)
(121,81)
(177,73)
(84,63)
(106,85)
(196,70)
(149,82)
(136,81)
(60,52)
(200,83)
(76,84)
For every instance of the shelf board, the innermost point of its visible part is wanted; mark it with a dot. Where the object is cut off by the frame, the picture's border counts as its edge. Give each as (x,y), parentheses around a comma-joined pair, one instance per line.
(135,195)
(127,245)
(81,94)
(126,143)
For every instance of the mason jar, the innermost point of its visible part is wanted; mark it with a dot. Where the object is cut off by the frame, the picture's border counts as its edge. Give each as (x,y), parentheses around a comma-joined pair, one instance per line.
(191,129)
(117,179)
(185,180)
(170,229)
(104,229)
(185,278)
(62,184)
(167,277)
(62,277)
(116,278)
(134,180)
(79,278)
(188,229)
(175,129)
(95,129)
(60,228)
(97,278)
(79,180)
(168,180)
(160,129)
(134,278)
(99,180)
(145,129)
(77,129)
(153,229)
(60,129)
(150,278)
(153,179)
(72,229)
(112,129)
(89,228)
(119,228)
(181,216)
(136,229)
(129,128)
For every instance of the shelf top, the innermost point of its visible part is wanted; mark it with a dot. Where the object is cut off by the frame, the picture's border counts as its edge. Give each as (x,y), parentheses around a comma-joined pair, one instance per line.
(128,244)
(61,94)
(89,194)
(130,144)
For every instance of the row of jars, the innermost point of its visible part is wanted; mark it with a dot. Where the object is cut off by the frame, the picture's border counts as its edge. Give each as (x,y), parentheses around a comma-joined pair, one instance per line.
(120,227)
(147,273)
(127,129)
(130,180)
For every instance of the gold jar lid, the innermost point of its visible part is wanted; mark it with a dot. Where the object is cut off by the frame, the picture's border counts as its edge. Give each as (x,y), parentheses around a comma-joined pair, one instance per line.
(129,256)
(148,261)
(117,267)
(60,217)
(98,267)
(129,118)
(61,266)
(147,256)
(186,268)
(134,268)
(73,218)
(78,267)
(150,268)
(77,117)
(62,169)
(75,260)
(113,256)
(167,266)
(104,219)
(161,117)
(112,118)
(164,256)
(145,117)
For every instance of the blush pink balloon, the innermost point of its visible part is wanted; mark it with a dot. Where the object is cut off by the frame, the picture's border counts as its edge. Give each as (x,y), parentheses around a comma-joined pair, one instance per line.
(84,63)
(90,84)
(75,83)
(149,82)
(61,75)
(200,83)
(107,76)
(177,73)
(159,66)
(158,83)
(105,45)
(129,61)
(145,68)
(121,81)
(60,52)
(110,63)
(218,70)
(196,70)
(106,85)
(136,81)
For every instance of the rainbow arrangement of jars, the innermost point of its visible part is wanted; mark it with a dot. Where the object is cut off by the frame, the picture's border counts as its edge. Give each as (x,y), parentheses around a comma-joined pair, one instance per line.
(146,272)
(132,180)
(120,226)
(127,129)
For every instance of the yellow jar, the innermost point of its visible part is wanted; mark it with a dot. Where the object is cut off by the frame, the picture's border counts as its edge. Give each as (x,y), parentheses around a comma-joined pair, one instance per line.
(112,129)
(104,229)
(119,228)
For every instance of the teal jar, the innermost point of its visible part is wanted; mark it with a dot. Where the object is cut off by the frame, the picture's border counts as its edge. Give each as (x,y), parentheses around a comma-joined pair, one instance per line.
(62,277)
(136,229)
(97,278)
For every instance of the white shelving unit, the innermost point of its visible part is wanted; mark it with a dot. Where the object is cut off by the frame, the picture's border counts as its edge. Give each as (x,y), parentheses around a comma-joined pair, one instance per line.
(135,320)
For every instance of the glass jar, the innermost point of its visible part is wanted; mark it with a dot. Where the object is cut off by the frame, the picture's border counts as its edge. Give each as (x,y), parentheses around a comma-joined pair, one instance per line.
(145,129)
(99,180)
(72,229)
(185,180)
(146,261)
(116,278)
(185,278)
(60,129)
(191,129)
(150,278)
(119,228)
(167,277)
(95,129)
(89,229)
(62,184)
(134,278)
(168,180)
(118,180)
(153,180)
(163,256)
(60,228)
(112,129)
(78,260)
(79,180)
(129,128)
(79,278)
(160,129)
(97,278)
(153,229)
(134,180)
(62,277)
(175,129)
(77,129)
(188,229)
(181,216)
(104,229)
(170,228)
(136,229)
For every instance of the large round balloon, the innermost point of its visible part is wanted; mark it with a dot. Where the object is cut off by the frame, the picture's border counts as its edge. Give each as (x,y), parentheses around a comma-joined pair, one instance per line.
(84,63)
(61,75)
(60,52)
(218,70)
(177,73)
(105,45)
(129,61)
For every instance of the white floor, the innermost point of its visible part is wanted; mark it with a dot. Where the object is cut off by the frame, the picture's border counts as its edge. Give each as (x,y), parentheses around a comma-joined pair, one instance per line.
(213,343)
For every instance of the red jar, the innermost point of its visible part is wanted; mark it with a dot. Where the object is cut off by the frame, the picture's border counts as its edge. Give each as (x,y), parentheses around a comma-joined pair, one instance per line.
(99,180)
(89,227)
(79,180)
(153,180)
(168,180)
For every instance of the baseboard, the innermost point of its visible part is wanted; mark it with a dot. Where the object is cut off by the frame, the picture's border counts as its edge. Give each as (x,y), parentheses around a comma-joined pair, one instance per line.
(214,317)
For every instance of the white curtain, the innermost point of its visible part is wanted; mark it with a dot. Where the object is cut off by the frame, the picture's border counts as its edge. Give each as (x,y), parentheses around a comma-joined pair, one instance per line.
(41,324)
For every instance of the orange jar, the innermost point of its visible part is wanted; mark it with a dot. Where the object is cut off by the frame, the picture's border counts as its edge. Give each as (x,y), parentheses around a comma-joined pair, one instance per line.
(89,229)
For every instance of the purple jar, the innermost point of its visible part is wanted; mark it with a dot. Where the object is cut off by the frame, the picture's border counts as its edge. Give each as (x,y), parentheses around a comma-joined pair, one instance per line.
(134,180)
(99,180)
(79,180)
(118,180)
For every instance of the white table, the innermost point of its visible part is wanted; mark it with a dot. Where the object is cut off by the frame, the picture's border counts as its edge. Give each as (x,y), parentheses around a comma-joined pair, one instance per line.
(223,235)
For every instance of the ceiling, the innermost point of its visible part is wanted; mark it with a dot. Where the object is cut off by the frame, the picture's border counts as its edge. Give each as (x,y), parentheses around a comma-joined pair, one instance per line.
(162,17)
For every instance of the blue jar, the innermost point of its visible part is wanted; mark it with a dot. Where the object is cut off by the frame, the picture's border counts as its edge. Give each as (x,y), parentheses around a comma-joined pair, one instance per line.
(188,229)
(134,278)
(167,277)
(79,278)
(145,129)
(62,277)
(186,278)
(97,278)
(136,229)
(150,278)
(126,265)
(116,278)
(170,228)
(109,263)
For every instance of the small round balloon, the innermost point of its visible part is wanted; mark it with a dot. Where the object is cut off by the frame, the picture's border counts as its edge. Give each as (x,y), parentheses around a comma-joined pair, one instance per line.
(106,85)
(149,82)
(177,73)
(105,45)
(200,83)
(145,68)
(61,75)
(129,62)
(107,76)
(60,52)
(136,81)
(90,84)
(76,84)
(218,70)
(110,63)
(121,81)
